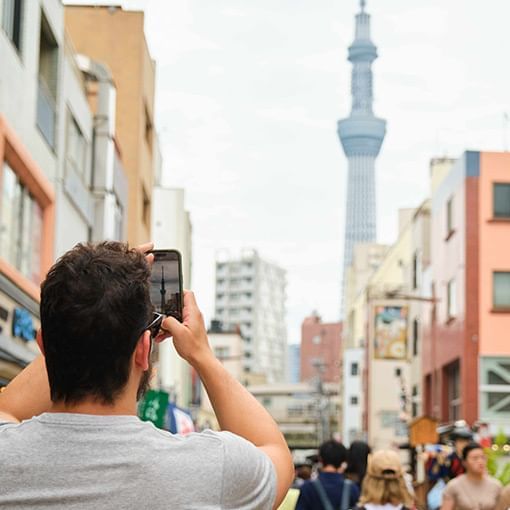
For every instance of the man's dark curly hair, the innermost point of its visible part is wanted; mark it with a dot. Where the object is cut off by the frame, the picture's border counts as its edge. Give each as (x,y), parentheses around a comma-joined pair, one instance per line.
(95,304)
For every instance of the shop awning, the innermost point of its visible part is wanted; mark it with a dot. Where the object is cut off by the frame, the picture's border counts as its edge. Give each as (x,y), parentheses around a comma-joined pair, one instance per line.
(14,352)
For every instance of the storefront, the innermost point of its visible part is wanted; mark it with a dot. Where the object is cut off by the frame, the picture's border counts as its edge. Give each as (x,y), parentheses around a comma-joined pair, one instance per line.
(19,320)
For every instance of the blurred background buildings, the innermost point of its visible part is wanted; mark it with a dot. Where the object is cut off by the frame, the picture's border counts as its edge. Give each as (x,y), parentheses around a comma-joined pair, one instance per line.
(425,319)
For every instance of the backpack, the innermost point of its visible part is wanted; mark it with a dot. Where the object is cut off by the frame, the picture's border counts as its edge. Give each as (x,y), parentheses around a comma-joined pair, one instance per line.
(326,503)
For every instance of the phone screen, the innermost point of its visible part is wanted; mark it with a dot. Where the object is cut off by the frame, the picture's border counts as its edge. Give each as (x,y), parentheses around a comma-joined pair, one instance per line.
(166,283)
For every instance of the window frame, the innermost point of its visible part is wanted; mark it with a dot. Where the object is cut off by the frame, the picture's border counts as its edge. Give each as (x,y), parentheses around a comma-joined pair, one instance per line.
(81,173)
(15,30)
(497,307)
(495,216)
(33,178)
(450,228)
(451,300)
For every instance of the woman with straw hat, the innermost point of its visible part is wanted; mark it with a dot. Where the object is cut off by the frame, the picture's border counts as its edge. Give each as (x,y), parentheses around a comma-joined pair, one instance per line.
(384,486)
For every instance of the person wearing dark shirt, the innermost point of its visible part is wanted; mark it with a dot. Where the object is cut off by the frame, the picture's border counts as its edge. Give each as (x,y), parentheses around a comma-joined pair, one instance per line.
(357,458)
(449,467)
(327,491)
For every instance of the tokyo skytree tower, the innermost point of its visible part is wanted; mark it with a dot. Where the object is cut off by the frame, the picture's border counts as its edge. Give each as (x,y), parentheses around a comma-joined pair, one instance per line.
(361,135)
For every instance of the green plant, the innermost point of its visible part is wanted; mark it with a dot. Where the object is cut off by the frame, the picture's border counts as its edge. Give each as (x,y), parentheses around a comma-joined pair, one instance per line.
(498,464)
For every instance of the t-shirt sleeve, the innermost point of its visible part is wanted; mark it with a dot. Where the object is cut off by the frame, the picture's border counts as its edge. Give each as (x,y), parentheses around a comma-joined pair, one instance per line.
(450,491)
(249,478)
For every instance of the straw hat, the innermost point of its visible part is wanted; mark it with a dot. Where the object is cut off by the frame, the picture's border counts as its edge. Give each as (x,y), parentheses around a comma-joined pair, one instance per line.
(385,464)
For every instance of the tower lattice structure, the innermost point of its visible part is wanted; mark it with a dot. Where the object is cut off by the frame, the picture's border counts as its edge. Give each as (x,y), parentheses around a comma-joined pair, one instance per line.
(361,135)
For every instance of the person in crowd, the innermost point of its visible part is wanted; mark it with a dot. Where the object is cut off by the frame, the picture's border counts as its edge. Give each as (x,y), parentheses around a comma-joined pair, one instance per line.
(303,473)
(384,486)
(357,457)
(475,489)
(504,499)
(330,490)
(446,467)
(80,444)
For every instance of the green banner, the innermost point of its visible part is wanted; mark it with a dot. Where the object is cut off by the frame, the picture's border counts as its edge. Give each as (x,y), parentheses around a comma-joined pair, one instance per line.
(154,407)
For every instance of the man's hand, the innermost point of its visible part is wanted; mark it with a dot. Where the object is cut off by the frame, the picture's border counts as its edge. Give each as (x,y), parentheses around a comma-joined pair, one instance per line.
(190,337)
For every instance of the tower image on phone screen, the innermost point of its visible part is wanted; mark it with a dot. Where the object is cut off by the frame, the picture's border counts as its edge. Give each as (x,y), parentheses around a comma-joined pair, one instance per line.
(166,283)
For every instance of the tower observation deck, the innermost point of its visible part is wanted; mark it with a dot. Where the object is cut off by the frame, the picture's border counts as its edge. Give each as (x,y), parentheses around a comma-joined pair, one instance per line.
(361,135)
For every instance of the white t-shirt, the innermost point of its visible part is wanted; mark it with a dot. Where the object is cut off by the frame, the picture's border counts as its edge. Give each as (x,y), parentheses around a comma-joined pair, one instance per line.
(387,506)
(80,461)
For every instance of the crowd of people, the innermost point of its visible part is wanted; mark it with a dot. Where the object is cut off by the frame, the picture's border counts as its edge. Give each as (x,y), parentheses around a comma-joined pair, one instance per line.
(360,480)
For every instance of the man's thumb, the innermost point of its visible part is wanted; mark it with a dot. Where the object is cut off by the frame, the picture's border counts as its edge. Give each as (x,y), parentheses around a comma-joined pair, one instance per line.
(171,325)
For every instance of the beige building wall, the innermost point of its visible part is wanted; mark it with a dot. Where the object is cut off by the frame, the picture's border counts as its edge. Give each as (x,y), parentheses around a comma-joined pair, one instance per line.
(384,411)
(118,41)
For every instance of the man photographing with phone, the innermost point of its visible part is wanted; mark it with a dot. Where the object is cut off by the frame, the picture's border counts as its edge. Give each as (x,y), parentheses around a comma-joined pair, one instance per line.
(80,444)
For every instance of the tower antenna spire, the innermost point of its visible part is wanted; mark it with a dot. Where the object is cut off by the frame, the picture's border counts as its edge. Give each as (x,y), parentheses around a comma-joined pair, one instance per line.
(362,4)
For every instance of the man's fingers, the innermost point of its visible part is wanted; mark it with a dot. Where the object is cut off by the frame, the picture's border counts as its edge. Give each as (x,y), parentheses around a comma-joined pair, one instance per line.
(171,325)
(145,247)
(189,299)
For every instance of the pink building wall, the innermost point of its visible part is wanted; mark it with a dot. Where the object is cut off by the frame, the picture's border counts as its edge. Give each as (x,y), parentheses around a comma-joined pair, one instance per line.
(494,255)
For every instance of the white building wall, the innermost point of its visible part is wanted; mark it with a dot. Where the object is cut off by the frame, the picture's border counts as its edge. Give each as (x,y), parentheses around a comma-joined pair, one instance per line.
(19,82)
(228,348)
(250,294)
(171,227)
(74,205)
(352,408)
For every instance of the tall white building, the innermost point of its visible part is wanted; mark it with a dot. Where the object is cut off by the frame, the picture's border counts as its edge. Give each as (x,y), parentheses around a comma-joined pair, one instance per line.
(171,227)
(250,294)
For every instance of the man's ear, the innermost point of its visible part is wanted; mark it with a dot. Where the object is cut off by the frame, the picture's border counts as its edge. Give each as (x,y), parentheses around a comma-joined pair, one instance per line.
(38,339)
(143,351)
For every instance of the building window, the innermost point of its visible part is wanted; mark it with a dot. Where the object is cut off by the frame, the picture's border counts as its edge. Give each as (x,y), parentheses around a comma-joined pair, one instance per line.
(118,221)
(21,224)
(148,128)
(12,17)
(76,148)
(449,218)
(146,208)
(414,402)
(354,368)
(502,200)
(316,340)
(495,387)
(222,352)
(354,401)
(415,337)
(47,88)
(501,290)
(453,391)
(451,301)
(415,271)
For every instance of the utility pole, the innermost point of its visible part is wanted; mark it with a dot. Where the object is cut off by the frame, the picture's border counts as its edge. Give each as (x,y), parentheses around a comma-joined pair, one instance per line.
(322,404)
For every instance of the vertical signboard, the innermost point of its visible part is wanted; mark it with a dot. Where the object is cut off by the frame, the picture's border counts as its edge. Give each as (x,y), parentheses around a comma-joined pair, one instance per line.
(390,335)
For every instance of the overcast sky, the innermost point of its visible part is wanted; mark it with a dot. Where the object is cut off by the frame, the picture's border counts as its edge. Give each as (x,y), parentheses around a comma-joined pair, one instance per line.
(248,95)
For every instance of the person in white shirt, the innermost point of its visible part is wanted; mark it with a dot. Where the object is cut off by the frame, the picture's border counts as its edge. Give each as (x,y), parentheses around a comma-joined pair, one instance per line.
(384,486)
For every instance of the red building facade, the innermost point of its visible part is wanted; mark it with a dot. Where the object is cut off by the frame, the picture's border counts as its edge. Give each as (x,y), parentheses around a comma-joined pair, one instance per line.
(321,349)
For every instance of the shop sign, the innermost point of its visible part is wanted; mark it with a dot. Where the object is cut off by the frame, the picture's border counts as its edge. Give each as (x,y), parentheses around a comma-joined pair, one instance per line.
(23,324)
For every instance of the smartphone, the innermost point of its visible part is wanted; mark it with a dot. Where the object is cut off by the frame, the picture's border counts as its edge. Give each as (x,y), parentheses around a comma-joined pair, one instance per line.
(166,283)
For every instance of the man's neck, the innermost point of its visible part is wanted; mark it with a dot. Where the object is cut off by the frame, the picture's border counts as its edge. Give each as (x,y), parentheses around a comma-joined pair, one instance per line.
(120,407)
(330,469)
